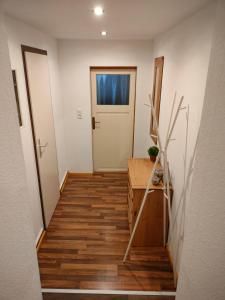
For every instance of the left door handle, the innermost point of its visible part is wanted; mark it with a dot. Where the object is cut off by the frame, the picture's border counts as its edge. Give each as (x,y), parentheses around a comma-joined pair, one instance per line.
(40,147)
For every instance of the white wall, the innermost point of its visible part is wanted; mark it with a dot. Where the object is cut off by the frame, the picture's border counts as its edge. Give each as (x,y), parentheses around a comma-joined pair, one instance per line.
(75,58)
(19,276)
(202,273)
(20,33)
(186,49)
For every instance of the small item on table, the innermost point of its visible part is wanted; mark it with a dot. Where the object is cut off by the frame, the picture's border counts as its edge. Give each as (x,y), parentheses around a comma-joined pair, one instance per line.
(159,173)
(155,180)
(157,177)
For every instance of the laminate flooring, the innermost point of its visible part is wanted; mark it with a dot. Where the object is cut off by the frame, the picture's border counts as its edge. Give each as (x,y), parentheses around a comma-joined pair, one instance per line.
(87,237)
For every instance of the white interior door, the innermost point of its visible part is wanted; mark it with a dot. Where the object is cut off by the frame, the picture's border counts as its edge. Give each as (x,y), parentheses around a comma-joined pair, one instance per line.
(113,99)
(43,130)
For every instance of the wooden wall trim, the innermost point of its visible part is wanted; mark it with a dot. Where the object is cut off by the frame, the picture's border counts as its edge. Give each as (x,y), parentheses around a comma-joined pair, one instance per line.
(64,182)
(26,48)
(92,68)
(15,85)
(172,265)
(73,174)
(40,240)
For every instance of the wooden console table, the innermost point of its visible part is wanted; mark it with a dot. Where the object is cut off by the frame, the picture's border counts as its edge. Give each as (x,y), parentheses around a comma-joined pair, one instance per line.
(150,229)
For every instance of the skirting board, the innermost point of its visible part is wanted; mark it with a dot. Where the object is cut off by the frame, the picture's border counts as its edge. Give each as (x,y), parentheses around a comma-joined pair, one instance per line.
(62,185)
(74,174)
(172,265)
(109,292)
(79,174)
(39,236)
(39,240)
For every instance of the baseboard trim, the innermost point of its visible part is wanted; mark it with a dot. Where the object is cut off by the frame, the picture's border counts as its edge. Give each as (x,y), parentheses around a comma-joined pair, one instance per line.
(172,265)
(73,174)
(62,185)
(39,236)
(109,292)
(39,240)
(111,171)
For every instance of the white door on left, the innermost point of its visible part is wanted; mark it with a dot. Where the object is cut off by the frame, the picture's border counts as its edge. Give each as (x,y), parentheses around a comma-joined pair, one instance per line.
(40,102)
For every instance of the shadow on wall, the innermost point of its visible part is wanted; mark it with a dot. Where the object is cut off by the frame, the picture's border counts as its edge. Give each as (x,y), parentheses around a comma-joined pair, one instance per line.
(177,227)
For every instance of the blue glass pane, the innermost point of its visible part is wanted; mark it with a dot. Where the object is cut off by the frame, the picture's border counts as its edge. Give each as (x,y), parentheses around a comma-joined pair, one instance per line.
(113,89)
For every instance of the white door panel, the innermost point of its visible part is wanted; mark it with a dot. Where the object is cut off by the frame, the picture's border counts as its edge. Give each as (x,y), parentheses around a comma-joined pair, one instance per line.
(113,132)
(43,127)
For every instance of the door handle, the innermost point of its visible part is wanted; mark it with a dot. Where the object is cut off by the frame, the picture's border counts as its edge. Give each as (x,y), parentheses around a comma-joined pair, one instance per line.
(40,147)
(94,123)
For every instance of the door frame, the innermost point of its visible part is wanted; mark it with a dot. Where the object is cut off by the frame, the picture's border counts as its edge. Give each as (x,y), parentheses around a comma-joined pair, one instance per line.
(122,68)
(25,49)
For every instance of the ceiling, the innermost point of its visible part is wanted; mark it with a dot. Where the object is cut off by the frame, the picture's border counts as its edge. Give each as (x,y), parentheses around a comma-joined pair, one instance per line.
(123,19)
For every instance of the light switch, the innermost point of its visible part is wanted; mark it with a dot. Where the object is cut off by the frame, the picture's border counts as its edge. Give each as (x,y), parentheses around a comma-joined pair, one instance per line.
(79,113)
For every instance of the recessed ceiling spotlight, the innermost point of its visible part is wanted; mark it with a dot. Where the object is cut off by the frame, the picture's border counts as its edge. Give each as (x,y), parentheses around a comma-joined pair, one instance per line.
(103,33)
(98,11)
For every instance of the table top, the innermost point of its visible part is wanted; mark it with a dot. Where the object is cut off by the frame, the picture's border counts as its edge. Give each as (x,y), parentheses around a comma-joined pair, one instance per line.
(139,173)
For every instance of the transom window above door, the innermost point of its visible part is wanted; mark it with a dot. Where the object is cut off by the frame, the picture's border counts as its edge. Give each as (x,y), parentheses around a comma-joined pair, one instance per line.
(113,89)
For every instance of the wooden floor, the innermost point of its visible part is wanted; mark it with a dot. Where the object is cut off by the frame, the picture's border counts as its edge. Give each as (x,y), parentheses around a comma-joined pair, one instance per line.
(87,237)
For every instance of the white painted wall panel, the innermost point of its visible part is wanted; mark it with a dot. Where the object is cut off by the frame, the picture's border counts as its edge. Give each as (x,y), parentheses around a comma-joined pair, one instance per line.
(19,276)
(202,274)
(20,33)
(186,49)
(76,57)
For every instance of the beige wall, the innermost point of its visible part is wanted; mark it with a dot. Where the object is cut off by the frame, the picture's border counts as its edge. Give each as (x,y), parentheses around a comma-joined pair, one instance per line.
(186,49)
(19,33)
(19,276)
(202,274)
(76,57)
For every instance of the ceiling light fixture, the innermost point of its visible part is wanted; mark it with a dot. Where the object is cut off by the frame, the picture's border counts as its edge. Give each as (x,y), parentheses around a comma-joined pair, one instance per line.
(103,33)
(98,11)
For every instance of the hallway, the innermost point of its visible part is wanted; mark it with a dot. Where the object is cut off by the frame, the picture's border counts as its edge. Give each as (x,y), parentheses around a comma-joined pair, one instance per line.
(87,237)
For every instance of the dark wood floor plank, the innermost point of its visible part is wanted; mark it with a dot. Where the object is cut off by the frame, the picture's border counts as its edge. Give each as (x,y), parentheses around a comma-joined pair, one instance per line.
(87,237)
(49,296)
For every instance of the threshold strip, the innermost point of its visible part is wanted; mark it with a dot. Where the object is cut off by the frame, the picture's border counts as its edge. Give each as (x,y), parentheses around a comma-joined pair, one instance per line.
(109,292)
